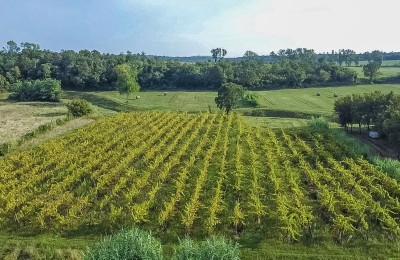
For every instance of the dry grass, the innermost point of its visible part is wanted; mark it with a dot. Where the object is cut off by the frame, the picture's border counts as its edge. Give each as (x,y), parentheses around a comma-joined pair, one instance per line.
(18,119)
(58,131)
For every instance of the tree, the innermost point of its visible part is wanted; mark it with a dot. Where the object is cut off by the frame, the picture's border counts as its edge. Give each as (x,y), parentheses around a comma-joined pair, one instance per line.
(38,90)
(126,80)
(371,70)
(213,77)
(229,95)
(3,83)
(218,54)
(250,55)
(391,123)
(45,71)
(343,110)
(357,112)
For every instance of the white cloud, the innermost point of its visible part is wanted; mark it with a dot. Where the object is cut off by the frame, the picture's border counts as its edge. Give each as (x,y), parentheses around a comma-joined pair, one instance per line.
(323,25)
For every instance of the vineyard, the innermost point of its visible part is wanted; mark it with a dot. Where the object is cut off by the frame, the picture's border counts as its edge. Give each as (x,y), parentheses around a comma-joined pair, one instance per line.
(199,174)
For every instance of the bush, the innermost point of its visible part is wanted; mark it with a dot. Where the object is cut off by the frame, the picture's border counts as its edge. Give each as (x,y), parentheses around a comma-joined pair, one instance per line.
(318,125)
(132,244)
(251,99)
(213,248)
(186,249)
(5,148)
(38,90)
(79,107)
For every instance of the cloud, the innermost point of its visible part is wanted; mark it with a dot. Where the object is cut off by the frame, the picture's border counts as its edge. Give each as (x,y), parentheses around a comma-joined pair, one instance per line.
(193,27)
(263,26)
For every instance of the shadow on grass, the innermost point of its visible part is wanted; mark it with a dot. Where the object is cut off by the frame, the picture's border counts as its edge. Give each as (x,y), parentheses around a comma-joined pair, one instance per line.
(280,113)
(99,101)
(52,114)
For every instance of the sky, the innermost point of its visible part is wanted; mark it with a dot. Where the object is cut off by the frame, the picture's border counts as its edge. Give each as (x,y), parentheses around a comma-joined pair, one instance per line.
(194,27)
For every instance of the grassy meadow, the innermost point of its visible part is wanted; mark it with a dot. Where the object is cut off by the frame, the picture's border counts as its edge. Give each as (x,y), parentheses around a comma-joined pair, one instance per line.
(383,72)
(385,63)
(18,119)
(285,104)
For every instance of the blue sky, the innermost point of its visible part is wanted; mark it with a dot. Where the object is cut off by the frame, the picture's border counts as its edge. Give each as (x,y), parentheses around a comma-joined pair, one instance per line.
(194,27)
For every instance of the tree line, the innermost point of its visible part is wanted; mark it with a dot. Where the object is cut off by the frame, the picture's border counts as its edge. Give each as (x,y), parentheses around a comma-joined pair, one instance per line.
(381,111)
(92,70)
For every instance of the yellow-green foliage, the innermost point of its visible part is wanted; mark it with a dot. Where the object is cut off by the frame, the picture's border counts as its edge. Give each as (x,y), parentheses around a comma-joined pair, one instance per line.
(199,174)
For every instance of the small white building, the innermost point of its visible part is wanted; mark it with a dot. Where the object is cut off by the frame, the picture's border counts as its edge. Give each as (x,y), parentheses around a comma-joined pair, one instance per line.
(373,134)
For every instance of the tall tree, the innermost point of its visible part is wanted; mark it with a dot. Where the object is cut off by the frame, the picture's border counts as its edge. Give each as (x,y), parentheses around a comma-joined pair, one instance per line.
(218,54)
(343,110)
(391,123)
(371,70)
(250,55)
(126,80)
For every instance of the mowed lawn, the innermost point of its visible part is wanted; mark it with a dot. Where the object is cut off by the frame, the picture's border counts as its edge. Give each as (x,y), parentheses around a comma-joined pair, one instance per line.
(384,63)
(295,100)
(307,101)
(175,100)
(383,72)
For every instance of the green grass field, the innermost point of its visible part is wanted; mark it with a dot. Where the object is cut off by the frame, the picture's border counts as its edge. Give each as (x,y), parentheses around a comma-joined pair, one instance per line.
(385,63)
(384,72)
(289,100)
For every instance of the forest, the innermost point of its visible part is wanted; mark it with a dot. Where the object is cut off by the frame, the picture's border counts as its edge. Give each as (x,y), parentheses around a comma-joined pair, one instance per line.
(92,70)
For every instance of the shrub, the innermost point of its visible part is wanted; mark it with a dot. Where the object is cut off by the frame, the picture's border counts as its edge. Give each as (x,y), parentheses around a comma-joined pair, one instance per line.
(186,249)
(38,90)
(318,125)
(251,99)
(390,166)
(5,148)
(132,244)
(213,248)
(79,107)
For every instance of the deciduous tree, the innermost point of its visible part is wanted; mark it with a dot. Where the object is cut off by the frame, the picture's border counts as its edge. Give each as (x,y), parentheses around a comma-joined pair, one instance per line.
(126,80)
(229,95)
(218,54)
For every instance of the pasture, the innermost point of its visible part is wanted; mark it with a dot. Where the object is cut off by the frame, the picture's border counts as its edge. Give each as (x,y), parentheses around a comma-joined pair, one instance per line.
(383,72)
(385,63)
(288,100)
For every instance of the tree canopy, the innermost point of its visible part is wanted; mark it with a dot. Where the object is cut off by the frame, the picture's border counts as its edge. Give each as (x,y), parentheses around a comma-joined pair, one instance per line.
(375,108)
(229,94)
(126,80)
(91,70)
(371,69)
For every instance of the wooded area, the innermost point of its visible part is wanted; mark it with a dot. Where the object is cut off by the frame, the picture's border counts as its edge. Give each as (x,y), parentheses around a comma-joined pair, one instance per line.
(92,70)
